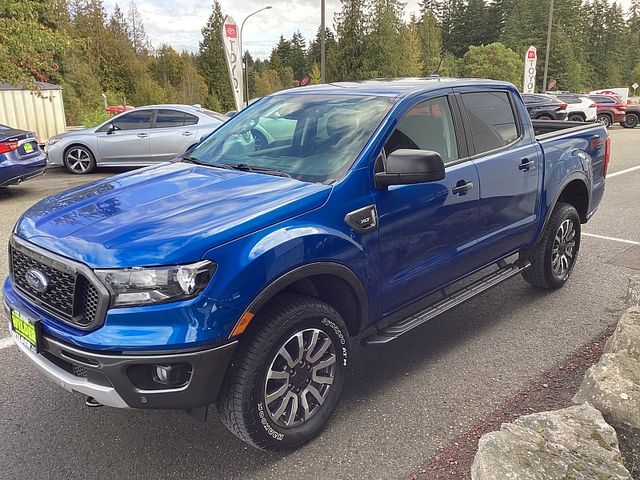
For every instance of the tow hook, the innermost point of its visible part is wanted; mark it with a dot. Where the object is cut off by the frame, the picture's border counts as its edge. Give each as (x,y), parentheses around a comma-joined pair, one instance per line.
(92,402)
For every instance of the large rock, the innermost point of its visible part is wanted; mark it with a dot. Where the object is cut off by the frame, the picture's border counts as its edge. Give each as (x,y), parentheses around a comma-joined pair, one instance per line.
(633,292)
(613,386)
(627,334)
(571,444)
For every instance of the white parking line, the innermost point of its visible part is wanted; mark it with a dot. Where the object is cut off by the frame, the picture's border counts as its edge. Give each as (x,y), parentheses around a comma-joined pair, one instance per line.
(6,342)
(622,172)
(613,239)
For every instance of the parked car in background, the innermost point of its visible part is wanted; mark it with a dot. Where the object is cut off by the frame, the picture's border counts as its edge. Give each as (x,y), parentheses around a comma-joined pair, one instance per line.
(632,116)
(580,108)
(20,156)
(611,109)
(143,136)
(545,107)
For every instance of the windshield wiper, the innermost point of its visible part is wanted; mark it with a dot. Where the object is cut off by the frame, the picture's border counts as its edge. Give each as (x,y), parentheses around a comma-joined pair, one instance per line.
(252,168)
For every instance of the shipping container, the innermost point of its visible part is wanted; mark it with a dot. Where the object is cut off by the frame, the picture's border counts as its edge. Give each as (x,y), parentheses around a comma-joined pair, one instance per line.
(40,110)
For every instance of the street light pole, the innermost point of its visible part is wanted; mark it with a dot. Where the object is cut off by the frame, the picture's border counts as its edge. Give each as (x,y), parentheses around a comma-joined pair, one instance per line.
(546,53)
(322,42)
(246,63)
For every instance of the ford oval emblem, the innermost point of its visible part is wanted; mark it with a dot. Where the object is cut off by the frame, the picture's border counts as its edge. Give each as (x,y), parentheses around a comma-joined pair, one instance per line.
(37,280)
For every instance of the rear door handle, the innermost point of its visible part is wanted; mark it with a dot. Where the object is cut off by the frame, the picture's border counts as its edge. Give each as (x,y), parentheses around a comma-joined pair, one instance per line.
(462,187)
(526,164)
(187,134)
(143,135)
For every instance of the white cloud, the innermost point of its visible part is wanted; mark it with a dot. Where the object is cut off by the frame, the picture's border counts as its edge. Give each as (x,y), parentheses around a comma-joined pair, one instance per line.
(179,22)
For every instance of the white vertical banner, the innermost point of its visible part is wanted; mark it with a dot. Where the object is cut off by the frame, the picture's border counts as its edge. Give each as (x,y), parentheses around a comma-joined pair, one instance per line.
(530,61)
(231,40)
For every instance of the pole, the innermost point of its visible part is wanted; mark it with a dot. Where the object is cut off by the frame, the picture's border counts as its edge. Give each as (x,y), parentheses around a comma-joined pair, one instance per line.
(546,52)
(322,42)
(246,63)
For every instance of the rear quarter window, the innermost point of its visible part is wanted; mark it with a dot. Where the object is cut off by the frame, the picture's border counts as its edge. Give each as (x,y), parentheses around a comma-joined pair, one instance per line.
(493,123)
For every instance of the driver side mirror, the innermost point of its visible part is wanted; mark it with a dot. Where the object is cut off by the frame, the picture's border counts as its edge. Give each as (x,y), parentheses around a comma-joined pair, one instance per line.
(405,167)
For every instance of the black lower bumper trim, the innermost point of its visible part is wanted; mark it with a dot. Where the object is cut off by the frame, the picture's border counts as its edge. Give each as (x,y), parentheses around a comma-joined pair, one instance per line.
(208,368)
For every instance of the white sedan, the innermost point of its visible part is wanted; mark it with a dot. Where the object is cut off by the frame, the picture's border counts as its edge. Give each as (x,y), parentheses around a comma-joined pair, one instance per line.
(138,137)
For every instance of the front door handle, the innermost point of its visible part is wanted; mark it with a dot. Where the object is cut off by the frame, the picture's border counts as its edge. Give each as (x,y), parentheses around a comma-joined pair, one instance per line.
(462,187)
(187,134)
(143,135)
(526,164)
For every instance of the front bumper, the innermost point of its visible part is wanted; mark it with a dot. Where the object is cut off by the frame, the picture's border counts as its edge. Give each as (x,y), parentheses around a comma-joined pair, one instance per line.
(126,381)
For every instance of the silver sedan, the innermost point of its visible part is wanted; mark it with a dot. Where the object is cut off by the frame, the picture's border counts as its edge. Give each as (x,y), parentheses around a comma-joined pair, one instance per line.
(138,137)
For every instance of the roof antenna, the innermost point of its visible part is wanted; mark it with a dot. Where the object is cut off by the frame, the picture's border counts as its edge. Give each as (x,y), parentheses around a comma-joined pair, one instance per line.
(436,72)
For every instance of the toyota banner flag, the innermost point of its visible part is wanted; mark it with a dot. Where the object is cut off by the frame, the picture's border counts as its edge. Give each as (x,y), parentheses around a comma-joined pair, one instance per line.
(231,40)
(530,60)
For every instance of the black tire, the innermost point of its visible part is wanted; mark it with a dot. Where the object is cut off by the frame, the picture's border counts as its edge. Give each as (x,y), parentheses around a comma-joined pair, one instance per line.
(242,402)
(576,117)
(79,160)
(605,120)
(545,117)
(542,273)
(631,120)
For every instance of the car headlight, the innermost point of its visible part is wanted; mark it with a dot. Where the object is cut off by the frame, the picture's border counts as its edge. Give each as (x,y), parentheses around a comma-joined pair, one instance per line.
(53,141)
(144,286)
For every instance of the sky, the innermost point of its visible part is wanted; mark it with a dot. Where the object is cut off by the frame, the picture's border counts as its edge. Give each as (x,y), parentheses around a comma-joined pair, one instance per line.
(178,22)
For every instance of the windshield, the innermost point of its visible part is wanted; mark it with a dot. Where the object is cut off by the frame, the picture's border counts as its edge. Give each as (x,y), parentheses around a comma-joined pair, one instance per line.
(313,138)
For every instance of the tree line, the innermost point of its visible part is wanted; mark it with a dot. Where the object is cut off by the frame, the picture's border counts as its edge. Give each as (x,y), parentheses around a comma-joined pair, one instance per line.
(76,44)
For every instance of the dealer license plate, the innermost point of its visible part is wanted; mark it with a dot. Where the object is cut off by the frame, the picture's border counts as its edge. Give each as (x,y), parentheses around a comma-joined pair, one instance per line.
(25,330)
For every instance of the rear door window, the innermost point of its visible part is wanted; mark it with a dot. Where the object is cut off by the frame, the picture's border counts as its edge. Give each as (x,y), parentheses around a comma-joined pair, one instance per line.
(493,123)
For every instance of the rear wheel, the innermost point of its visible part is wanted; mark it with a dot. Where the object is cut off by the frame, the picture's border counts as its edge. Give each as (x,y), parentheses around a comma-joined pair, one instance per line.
(575,117)
(631,120)
(79,160)
(545,117)
(605,120)
(286,377)
(554,256)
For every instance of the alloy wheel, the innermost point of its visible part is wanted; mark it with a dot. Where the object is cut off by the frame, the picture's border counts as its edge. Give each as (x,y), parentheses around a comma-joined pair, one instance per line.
(300,377)
(562,251)
(78,160)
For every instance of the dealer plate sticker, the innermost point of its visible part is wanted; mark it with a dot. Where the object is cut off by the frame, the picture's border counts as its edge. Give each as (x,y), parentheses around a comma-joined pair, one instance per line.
(25,330)
(28,148)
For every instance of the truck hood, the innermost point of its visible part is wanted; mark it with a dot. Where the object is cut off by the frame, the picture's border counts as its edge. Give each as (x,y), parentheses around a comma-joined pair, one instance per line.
(162,215)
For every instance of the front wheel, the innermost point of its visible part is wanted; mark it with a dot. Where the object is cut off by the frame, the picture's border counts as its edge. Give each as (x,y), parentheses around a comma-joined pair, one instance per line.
(605,120)
(574,117)
(79,160)
(286,377)
(554,256)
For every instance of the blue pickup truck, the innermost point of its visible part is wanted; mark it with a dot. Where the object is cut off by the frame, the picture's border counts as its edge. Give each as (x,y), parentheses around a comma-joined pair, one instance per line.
(239,274)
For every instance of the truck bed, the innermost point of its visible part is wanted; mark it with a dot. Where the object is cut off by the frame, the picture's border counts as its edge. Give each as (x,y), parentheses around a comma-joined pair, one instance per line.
(550,128)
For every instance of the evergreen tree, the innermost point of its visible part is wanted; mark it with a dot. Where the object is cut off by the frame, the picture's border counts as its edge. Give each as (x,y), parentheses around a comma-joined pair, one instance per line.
(430,42)
(411,65)
(136,31)
(384,48)
(212,64)
(348,58)
(298,61)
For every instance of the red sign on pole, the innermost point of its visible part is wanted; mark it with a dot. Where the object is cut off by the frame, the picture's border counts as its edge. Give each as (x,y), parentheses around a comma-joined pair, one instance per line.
(231,30)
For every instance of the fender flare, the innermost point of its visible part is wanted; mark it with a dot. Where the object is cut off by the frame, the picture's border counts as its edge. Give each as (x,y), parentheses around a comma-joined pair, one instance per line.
(573,176)
(309,270)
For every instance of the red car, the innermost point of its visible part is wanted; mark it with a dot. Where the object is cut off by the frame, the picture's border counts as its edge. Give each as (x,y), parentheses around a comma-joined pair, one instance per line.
(611,109)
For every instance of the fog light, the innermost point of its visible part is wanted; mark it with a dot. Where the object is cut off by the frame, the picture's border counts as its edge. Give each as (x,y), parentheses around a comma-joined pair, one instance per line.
(172,375)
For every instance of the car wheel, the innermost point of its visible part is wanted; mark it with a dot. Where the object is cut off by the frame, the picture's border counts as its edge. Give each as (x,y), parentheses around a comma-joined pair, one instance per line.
(630,121)
(554,256)
(576,118)
(605,120)
(287,375)
(79,160)
(545,117)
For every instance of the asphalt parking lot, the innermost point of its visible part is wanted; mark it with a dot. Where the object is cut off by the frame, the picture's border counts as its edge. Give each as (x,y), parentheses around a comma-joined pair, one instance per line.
(403,401)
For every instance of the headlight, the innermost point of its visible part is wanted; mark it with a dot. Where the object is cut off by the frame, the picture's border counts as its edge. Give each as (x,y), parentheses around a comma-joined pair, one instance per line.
(143,286)
(53,141)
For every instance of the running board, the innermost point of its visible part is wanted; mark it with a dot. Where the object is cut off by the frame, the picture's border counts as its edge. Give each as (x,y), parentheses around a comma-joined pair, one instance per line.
(393,331)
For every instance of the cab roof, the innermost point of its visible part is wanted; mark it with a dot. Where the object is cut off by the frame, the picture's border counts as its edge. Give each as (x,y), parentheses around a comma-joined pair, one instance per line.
(394,87)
